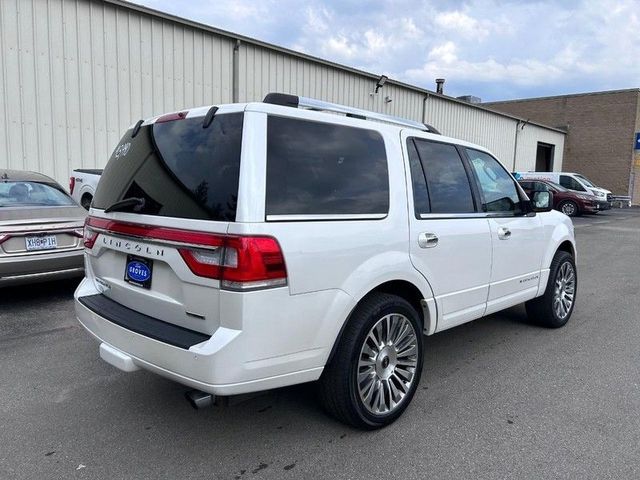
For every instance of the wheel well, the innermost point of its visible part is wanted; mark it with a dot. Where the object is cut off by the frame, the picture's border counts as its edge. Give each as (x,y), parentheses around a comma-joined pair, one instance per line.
(86,198)
(401,288)
(566,246)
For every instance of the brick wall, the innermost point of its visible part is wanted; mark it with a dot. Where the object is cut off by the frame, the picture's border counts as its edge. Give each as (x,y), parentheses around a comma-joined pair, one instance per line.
(601,129)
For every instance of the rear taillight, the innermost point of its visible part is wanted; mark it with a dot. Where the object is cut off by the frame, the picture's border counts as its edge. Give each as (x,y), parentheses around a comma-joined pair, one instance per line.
(240,263)
(72,184)
(253,262)
(89,236)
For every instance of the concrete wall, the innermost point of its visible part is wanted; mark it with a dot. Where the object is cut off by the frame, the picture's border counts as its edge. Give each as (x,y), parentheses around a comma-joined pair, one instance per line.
(601,129)
(528,137)
(74,74)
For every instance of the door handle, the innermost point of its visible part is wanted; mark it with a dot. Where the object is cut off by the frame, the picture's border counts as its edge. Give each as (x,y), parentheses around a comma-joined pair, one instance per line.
(427,240)
(504,233)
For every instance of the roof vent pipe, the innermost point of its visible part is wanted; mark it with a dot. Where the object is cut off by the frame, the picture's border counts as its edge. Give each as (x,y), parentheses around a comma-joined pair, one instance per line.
(440,86)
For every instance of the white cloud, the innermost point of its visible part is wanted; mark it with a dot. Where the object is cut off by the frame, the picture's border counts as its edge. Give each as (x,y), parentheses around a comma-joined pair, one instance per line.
(462,24)
(318,19)
(339,47)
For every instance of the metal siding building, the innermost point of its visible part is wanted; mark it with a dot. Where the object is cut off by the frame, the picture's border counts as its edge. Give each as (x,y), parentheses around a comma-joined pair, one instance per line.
(74,74)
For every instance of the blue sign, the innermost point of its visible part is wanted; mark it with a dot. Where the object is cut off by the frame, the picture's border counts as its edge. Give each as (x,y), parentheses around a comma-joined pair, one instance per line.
(637,145)
(138,271)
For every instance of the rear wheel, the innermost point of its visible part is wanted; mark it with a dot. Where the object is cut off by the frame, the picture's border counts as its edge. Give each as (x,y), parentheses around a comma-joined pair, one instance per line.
(569,208)
(554,308)
(376,368)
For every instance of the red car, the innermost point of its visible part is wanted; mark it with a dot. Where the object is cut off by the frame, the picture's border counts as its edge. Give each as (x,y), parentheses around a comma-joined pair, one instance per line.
(569,202)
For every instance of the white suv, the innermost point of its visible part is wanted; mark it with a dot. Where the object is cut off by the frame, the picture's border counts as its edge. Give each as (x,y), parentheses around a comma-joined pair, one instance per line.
(245,247)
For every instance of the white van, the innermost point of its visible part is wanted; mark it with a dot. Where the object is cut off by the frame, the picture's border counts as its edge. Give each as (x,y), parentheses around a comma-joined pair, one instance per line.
(245,247)
(572,181)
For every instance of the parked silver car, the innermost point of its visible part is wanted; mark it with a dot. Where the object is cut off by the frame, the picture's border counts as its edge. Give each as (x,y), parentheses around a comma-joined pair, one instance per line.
(41,229)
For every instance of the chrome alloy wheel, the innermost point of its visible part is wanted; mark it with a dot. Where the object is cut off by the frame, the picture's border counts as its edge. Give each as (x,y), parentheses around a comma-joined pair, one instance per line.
(387,364)
(569,208)
(565,288)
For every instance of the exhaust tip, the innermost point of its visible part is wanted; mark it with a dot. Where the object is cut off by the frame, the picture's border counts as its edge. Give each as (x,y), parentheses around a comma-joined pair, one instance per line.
(199,400)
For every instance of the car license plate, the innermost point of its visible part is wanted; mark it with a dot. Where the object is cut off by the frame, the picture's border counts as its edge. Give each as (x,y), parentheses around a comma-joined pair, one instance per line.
(138,270)
(44,242)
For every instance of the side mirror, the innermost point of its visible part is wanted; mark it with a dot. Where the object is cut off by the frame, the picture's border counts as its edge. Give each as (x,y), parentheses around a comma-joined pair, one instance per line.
(542,201)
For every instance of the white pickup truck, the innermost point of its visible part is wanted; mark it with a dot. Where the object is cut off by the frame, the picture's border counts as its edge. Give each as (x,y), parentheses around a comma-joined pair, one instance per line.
(82,185)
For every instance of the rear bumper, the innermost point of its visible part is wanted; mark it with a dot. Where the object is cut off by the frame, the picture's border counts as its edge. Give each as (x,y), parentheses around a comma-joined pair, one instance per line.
(231,361)
(42,267)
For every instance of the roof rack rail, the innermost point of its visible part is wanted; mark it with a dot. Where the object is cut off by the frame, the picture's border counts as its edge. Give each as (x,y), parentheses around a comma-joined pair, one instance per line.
(296,101)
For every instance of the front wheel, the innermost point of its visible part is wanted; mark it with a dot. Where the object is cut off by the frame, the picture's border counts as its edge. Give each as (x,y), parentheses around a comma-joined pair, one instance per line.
(554,308)
(376,368)
(569,208)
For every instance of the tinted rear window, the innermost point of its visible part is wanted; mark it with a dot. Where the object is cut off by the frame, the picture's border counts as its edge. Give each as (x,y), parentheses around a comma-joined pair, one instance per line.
(179,168)
(318,168)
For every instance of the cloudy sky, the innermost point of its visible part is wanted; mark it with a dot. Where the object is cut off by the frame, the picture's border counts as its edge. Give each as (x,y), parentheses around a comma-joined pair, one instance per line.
(496,50)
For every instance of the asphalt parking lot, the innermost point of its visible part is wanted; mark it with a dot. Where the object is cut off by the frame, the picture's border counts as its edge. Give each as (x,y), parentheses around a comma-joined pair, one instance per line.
(499,398)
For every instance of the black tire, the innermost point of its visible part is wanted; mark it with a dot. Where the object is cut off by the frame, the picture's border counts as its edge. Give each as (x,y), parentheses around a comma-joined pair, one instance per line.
(569,208)
(339,389)
(541,309)
(85,201)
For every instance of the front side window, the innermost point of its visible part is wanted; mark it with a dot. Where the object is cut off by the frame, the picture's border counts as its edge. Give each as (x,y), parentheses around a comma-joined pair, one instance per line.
(447,182)
(496,185)
(316,168)
(571,183)
(32,194)
(585,180)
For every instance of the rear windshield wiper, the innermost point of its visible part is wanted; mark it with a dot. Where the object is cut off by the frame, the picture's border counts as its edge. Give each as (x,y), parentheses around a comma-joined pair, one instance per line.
(125,203)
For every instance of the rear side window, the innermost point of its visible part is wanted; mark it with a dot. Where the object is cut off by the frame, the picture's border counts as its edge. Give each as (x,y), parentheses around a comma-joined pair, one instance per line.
(419,182)
(448,187)
(178,168)
(318,168)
